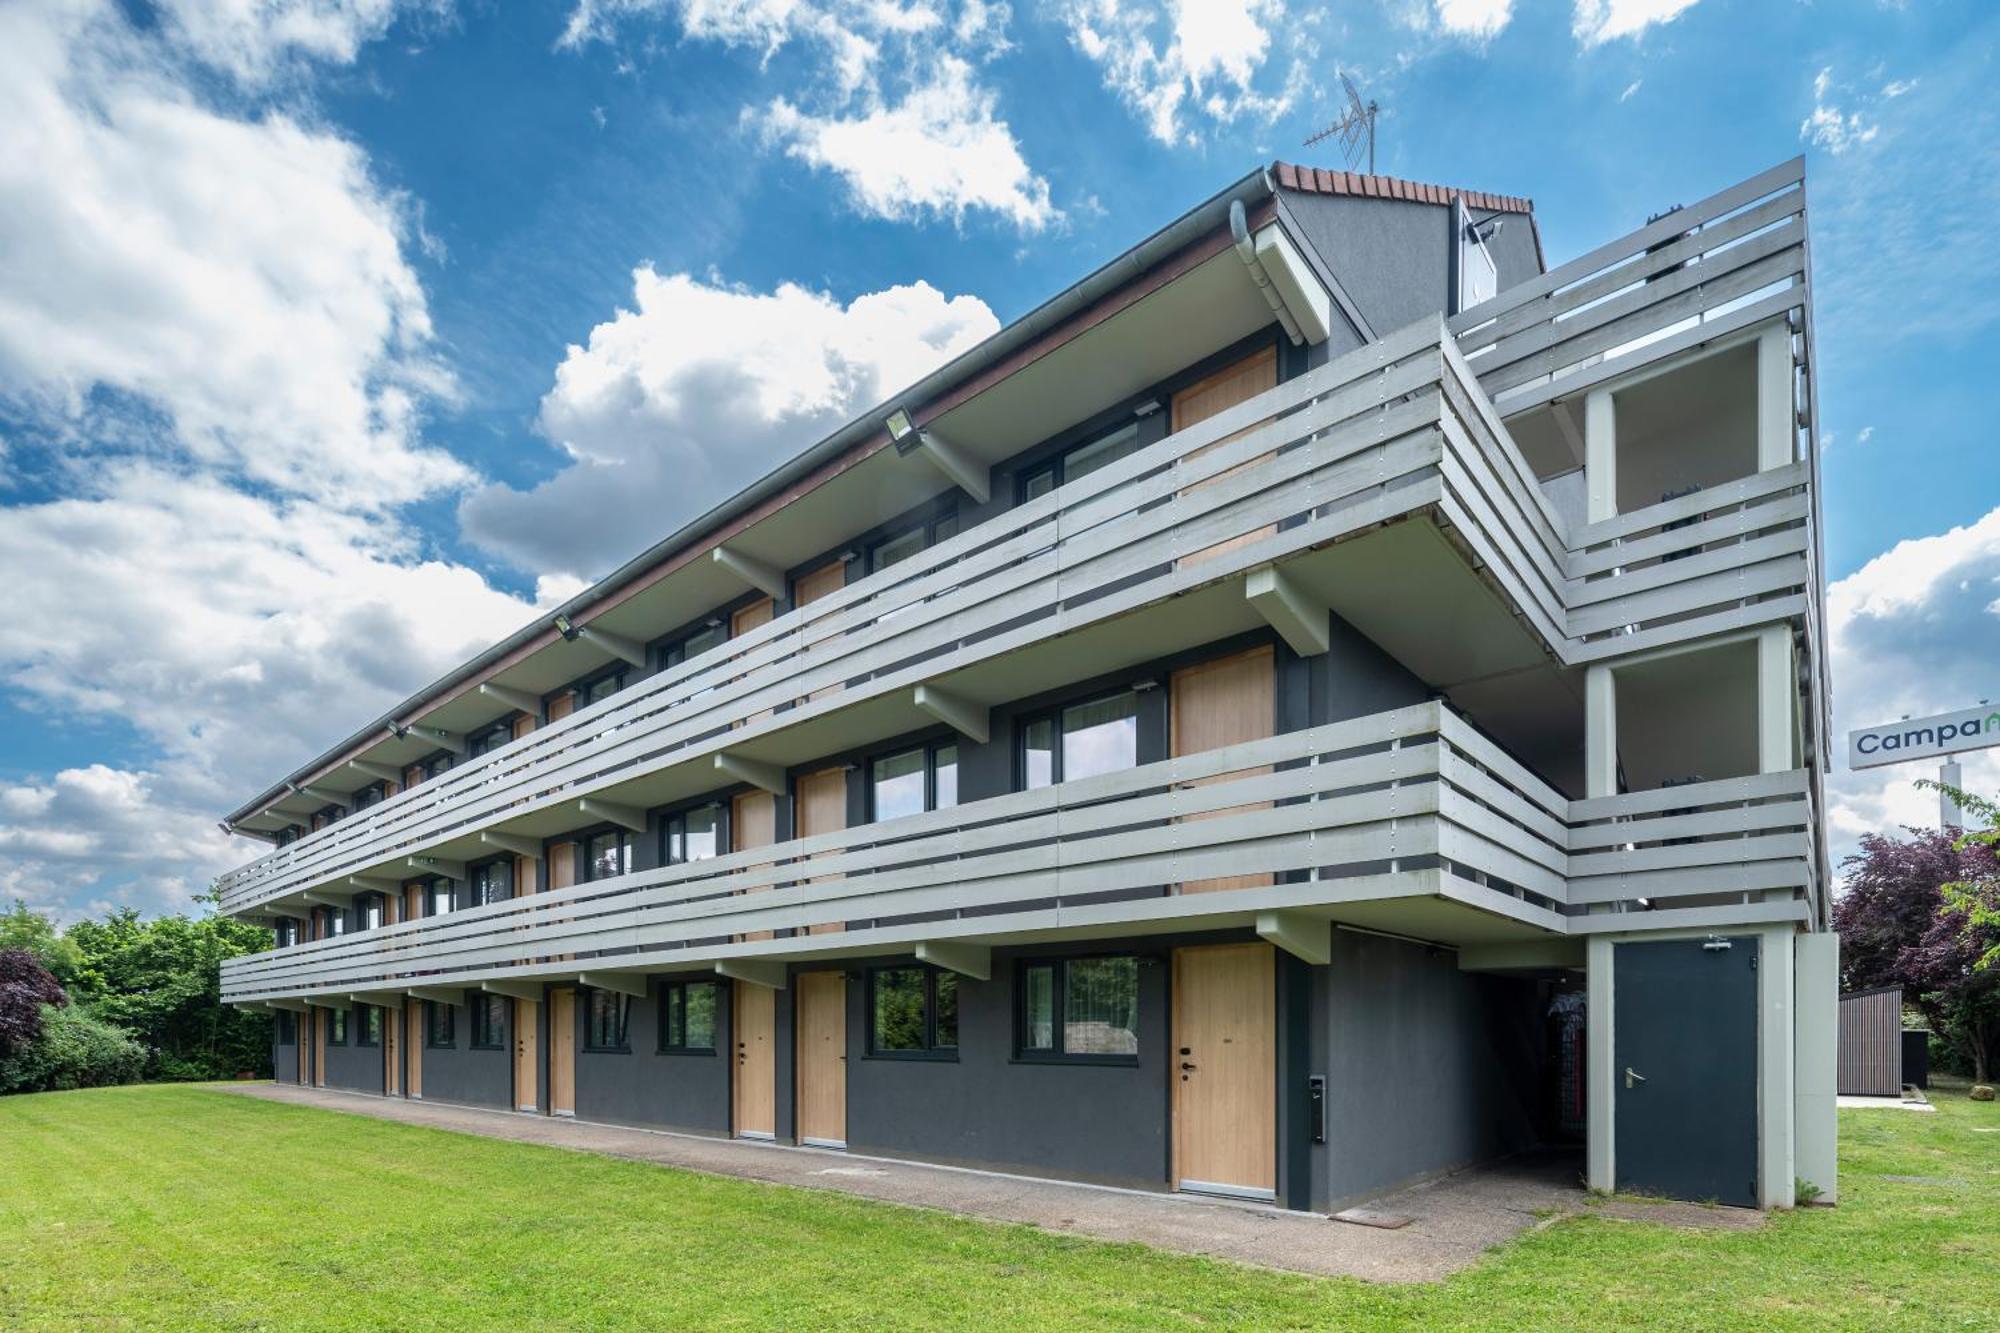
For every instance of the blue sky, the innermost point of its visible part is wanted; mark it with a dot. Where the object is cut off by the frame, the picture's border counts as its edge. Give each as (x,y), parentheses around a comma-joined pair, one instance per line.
(337,334)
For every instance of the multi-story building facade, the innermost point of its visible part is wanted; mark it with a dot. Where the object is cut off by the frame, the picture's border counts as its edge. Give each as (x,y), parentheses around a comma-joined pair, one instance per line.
(1318,703)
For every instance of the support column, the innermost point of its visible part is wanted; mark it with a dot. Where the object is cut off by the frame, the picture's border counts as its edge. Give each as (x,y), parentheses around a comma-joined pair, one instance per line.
(1776,412)
(1777,700)
(1600,731)
(1600,1072)
(1776,1165)
(1816,1055)
(1600,456)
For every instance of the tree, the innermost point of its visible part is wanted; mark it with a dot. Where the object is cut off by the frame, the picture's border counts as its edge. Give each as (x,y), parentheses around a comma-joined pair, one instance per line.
(22,928)
(27,991)
(1976,899)
(1898,928)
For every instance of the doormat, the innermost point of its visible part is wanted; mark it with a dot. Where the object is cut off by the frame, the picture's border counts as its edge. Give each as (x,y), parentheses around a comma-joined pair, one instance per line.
(1370,1217)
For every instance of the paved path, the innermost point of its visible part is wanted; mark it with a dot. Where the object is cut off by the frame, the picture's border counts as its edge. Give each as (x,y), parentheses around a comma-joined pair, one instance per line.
(1456,1219)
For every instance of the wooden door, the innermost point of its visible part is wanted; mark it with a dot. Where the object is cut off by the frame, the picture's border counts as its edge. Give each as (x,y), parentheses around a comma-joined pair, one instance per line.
(392,1047)
(754,616)
(753,823)
(562,705)
(1224,702)
(562,1051)
(822,808)
(527,1056)
(1225,1080)
(822,582)
(822,1058)
(319,1018)
(753,1089)
(1218,392)
(413,1037)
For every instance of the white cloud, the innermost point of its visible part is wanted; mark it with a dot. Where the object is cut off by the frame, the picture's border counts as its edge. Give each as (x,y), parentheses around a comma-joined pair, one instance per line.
(1827,126)
(939,152)
(254,40)
(1898,87)
(1914,631)
(1867,434)
(1631,90)
(1477,19)
(697,387)
(1179,60)
(244,278)
(1595,22)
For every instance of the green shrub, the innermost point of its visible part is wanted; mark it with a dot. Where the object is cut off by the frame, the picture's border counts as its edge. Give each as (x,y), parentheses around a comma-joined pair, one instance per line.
(74,1050)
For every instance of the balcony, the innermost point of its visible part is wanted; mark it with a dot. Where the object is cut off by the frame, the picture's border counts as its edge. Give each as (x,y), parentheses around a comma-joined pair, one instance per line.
(1383,485)
(1410,821)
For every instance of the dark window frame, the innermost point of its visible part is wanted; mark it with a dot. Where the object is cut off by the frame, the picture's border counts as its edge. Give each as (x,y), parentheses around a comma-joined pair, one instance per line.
(1056,466)
(1053,715)
(1057,1055)
(478,895)
(591,1033)
(373,794)
(438,884)
(336,1027)
(667,1043)
(287,1028)
(367,1016)
(930,749)
(937,527)
(490,737)
(675,823)
(930,1050)
(674,651)
(586,859)
(432,1009)
(480,1012)
(367,902)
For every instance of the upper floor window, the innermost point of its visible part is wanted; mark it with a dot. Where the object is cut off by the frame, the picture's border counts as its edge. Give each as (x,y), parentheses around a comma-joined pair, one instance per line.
(368,911)
(687,1016)
(286,933)
(1080,461)
(489,1022)
(912,540)
(693,835)
(1081,740)
(492,882)
(336,923)
(439,898)
(601,687)
(912,781)
(606,855)
(324,817)
(373,794)
(289,834)
(711,635)
(604,1022)
(1079,1008)
(488,739)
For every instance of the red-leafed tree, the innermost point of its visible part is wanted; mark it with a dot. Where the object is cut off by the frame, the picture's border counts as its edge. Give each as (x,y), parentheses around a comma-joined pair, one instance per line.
(1901,924)
(25,986)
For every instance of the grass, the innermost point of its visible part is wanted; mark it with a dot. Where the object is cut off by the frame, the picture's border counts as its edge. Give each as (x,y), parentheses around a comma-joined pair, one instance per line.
(180,1207)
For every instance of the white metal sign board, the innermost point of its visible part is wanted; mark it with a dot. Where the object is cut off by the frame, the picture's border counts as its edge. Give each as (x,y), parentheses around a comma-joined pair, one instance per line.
(1923,737)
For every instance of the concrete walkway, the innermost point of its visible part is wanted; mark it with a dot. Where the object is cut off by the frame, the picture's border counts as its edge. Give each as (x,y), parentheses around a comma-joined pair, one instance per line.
(1454,1220)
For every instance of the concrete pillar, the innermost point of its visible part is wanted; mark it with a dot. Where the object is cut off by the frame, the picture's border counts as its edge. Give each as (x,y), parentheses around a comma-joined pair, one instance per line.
(1777,700)
(1776,412)
(1600,1068)
(1600,731)
(1777,1166)
(1815,1055)
(1600,456)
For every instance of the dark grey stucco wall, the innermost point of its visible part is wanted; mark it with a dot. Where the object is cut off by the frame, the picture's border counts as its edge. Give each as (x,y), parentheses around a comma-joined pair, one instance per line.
(355,1068)
(1103,1123)
(460,1074)
(284,1059)
(1427,1067)
(644,1087)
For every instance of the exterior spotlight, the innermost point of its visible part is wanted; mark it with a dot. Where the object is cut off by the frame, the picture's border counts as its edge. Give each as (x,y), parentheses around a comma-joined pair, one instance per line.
(564,627)
(903,432)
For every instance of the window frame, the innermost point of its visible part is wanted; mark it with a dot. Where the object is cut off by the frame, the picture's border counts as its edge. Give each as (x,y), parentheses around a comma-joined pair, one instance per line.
(930,749)
(930,1050)
(433,1008)
(476,894)
(938,527)
(363,1036)
(1053,715)
(666,1043)
(370,903)
(439,885)
(287,1026)
(490,737)
(674,651)
(623,1002)
(1056,466)
(489,1004)
(1057,1055)
(336,1027)
(675,825)
(587,860)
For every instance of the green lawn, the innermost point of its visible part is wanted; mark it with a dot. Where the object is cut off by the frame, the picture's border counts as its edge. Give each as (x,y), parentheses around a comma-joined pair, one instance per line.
(179,1207)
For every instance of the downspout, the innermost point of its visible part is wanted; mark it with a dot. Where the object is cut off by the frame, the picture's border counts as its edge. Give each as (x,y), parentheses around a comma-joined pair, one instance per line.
(1246,250)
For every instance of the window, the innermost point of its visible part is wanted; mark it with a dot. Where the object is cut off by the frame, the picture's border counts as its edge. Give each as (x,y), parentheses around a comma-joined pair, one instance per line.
(1081,741)
(711,635)
(368,912)
(693,835)
(492,882)
(373,794)
(606,855)
(438,1025)
(687,1017)
(288,1031)
(599,688)
(367,1025)
(604,1023)
(489,1023)
(286,934)
(918,537)
(439,898)
(490,739)
(913,781)
(912,1011)
(336,923)
(336,1027)
(1080,461)
(436,766)
(1080,1009)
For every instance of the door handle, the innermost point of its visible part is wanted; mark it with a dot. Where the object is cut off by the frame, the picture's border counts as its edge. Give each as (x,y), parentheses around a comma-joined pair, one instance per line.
(1633,1077)
(1186,1065)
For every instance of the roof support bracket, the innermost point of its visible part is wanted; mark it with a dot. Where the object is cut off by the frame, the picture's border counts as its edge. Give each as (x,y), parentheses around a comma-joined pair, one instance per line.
(322,794)
(437,865)
(962,715)
(381,999)
(1302,936)
(519,700)
(631,650)
(531,991)
(326,898)
(285,910)
(380,772)
(517,843)
(968,960)
(1301,620)
(438,994)
(625,816)
(295,1006)
(753,771)
(449,740)
(967,473)
(623,983)
(374,884)
(752,571)
(771,976)
(327,1001)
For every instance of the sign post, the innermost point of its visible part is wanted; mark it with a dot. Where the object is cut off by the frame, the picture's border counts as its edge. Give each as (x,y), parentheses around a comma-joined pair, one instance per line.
(1936,737)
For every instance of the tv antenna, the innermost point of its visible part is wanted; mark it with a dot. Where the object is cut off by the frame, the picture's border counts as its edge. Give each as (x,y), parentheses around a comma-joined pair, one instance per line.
(1353,129)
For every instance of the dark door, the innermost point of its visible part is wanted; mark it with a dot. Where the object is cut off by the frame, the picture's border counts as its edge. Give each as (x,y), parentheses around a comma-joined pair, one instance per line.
(1685,1056)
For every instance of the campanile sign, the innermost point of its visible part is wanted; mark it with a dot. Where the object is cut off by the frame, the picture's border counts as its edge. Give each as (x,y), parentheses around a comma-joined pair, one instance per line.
(1924,737)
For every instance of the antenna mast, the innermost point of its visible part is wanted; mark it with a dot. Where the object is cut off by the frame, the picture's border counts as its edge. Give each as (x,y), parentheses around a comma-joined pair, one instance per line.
(1354,128)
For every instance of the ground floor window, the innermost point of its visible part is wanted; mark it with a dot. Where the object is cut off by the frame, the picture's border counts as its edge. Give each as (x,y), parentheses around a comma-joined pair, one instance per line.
(1079,1008)
(687,1017)
(912,1011)
(336,1027)
(604,1023)
(489,1023)
(288,1033)
(438,1025)
(367,1025)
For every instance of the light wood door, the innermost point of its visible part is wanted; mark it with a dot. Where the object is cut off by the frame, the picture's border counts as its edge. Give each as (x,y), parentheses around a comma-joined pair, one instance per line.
(754,1082)
(1201,400)
(392,1054)
(1225,1075)
(1224,702)
(822,582)
(562,1051)
(822,1058)
(319,1018)
(753,823)
(527,1056)
(562,706)
(822,808)
(754,616)
(412,1019)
